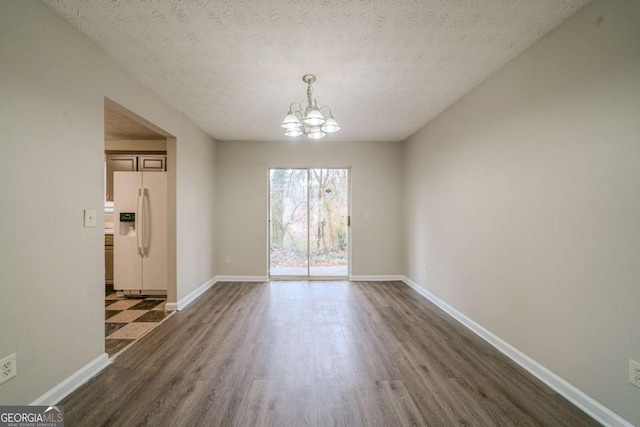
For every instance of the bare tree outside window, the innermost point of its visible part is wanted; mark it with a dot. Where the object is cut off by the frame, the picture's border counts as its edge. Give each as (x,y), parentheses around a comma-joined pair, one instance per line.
(308,222)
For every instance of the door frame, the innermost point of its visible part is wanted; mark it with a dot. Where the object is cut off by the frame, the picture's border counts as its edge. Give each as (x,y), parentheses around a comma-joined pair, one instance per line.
(268,225)
(172,251)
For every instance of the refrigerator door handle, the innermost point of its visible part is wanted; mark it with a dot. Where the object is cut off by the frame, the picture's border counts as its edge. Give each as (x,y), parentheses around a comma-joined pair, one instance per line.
(146,223)
(139,222)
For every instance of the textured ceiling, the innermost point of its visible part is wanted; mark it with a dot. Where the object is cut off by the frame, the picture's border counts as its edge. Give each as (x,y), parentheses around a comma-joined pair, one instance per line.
(385,67)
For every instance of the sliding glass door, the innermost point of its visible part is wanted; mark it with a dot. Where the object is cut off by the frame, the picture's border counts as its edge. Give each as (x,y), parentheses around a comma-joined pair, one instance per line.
(328,222)
(309,223)
(289,224)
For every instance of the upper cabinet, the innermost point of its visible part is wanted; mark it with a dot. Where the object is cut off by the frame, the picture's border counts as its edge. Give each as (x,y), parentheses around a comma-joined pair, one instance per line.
(131,163)
(116,163)
(150,162)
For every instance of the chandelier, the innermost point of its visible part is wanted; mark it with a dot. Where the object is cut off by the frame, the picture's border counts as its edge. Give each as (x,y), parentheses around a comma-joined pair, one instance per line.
(305,117)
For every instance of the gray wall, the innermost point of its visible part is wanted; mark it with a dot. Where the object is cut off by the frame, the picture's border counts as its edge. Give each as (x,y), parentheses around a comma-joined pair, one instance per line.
(523,200)
(243,200)
(53,81)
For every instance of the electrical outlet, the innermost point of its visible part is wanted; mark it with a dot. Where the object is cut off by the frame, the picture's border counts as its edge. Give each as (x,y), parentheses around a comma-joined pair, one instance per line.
(634,373)
(8,368)
(425,271)
(227,259)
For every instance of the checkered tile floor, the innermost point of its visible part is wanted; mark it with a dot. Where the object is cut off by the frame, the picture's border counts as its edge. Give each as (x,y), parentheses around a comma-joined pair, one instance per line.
(127,319)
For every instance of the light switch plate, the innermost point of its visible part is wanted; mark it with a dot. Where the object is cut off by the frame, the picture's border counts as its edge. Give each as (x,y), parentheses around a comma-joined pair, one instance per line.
(89,219)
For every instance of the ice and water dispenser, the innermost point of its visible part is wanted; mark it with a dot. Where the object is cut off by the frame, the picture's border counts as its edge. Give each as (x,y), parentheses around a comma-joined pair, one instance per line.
(127,223)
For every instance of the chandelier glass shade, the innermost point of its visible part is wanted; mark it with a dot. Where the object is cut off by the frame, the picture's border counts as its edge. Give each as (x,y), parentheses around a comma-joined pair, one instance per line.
(306,118)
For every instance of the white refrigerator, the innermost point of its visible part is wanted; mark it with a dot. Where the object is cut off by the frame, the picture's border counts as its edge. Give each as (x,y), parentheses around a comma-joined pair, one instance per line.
(140,233)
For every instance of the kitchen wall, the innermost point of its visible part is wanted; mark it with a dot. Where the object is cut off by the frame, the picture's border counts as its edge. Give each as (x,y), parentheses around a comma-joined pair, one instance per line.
(54,83)
(242,172)
(523,201)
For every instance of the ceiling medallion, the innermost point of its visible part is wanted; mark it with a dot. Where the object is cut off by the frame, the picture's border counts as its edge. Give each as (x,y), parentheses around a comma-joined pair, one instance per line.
(305,117)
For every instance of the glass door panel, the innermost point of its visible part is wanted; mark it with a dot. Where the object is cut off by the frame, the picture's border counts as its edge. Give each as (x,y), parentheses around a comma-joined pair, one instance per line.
(308,220)
(288,219)
(328,222)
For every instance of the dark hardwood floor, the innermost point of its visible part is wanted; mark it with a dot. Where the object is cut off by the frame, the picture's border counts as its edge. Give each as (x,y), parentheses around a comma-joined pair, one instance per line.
(315,354)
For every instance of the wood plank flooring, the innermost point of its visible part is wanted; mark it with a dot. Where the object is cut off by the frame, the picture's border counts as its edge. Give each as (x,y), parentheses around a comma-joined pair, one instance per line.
(315,354)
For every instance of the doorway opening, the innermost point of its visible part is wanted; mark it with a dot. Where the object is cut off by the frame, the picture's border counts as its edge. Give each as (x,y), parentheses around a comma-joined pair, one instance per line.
(309,223)
(140,254)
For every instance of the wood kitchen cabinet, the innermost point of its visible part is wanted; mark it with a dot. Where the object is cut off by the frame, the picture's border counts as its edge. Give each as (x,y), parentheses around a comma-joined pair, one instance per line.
(116,163)
(151,163)
(131,163)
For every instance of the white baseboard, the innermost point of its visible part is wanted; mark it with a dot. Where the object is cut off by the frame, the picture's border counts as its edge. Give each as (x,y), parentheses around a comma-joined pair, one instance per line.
(181,304)
(592,407)
(66,387)
(171,306)
(377,278)
(242,278)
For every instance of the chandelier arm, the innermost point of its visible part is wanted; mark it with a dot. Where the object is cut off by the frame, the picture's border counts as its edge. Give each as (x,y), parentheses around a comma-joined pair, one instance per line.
(300,115)
(295,103)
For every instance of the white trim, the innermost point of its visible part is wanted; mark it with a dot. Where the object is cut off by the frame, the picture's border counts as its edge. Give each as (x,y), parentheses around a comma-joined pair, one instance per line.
(307,278)
(589,405)
(74,381)
(242,278)
(391,278)
(184,302)
(180,305)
